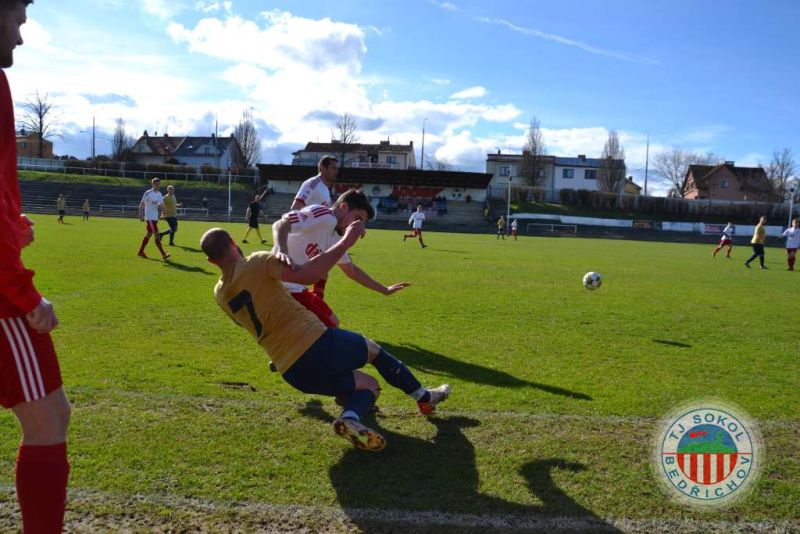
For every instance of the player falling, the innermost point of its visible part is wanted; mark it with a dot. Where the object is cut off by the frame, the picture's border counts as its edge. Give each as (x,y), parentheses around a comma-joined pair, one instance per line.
(725,240)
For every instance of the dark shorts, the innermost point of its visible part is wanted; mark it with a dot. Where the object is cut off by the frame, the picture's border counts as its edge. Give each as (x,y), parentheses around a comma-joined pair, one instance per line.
(62,212)
(758,249)
(327,367)
(172,222)
(253,222)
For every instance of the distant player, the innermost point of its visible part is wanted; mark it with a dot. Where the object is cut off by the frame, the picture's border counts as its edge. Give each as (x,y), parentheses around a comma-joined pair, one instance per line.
(86,209)
(514,228)
(726,240)
(252,213)
(317,190)
(61,206)
(171,206)
(792,235)
(303,234)
(30,379)
(312,358)
(151,208)
(501,228)
(416,220)
(759,238)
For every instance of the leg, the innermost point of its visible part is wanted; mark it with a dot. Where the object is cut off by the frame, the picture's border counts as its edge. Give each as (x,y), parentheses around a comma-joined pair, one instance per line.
(730,249)
(717,249)
(258,233)
(145,240)
(246,233)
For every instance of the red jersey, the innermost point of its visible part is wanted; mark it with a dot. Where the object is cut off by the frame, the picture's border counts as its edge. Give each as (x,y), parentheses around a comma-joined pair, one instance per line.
(18,296)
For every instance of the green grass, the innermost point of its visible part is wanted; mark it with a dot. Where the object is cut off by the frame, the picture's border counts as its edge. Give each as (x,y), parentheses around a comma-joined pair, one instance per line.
(118,181)
(556,389)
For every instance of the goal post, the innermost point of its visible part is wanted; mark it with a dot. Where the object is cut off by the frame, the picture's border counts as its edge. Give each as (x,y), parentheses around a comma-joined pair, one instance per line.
(566,230)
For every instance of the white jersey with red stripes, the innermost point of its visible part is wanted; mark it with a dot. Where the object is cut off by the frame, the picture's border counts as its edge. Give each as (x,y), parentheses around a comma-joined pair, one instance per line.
(313,232)
(314,192)
(792,236)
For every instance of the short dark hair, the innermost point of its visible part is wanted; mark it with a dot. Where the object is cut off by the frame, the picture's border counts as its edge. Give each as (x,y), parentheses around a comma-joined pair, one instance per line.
(327,160)
(356,200)
(5,5)
(215,243)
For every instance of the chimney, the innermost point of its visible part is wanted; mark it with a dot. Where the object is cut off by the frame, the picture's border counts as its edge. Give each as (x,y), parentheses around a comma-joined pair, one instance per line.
(730,163)
(582,157)
(145,134)
(166,135)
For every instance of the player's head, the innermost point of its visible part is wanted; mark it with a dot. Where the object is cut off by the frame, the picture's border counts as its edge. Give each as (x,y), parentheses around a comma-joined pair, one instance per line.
(218,246)
(419,207)
(12,15)
(328,168)
(170,189)
(156,183)
(352,206)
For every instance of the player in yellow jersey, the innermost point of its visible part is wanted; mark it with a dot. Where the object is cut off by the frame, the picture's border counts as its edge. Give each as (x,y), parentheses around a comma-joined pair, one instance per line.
(312,358)
(170,214)
(759,238)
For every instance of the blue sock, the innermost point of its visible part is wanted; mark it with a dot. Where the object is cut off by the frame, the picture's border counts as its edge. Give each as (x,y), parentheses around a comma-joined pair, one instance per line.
(358,403)
(397,374)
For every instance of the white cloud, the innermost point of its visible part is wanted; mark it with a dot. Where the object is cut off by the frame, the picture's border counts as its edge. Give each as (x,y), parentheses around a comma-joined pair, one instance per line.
(447,6)
(472,92)
(163,9)
(209,6)
(440,81)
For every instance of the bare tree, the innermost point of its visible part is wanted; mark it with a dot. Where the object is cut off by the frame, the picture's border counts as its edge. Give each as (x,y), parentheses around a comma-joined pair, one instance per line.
(249,141)
(438,164)
(780,171)
(346,128)
(533,162)
(611,172)
(673,166)
(37,118)
(121,143)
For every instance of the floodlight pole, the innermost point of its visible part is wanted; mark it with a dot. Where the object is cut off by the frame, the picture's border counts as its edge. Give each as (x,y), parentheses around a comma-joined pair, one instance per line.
(791,205)
(230,208)
(422,155)
(646,163)
(508,205)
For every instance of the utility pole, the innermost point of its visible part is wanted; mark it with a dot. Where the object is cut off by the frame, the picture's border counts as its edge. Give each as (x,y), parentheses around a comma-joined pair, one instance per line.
(93,138)
(422,156)
(646,163)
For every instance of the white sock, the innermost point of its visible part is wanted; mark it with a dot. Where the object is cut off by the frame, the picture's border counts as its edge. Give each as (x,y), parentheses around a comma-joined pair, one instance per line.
(350,414)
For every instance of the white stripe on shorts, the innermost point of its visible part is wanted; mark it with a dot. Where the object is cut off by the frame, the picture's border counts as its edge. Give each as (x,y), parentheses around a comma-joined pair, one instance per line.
(13,345)
(32,354)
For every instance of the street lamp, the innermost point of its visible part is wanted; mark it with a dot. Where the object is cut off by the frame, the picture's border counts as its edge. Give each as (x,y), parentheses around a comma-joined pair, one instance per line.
(93,137)
(422,156)
(791,203)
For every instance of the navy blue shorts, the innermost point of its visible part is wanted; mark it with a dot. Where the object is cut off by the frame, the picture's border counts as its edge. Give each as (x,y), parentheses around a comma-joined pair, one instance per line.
(327,366)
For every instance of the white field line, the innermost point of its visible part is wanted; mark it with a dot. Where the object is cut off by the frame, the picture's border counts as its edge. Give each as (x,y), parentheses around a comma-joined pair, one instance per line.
(293,513)
(409,411)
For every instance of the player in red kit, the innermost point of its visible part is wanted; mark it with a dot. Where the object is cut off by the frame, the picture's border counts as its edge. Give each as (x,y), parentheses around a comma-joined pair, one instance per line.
(30,379)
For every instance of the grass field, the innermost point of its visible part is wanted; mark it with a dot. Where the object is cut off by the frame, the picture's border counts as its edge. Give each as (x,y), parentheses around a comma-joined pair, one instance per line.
(178,425)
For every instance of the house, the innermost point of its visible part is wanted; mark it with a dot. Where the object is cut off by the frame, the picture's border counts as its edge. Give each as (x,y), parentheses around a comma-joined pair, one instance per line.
(28,146)
(726,181)
(631,188)
(383,155)
(555,172)
(381,183)
(195,151)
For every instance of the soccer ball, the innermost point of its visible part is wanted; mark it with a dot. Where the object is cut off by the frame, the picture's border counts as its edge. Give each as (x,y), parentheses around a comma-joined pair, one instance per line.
(592,280)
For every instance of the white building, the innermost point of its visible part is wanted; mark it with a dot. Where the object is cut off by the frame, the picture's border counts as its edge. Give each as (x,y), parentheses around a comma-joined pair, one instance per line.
(195,151)
(383,155)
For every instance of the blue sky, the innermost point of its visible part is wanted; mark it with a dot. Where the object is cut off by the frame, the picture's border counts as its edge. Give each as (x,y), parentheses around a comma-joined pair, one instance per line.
(721,76)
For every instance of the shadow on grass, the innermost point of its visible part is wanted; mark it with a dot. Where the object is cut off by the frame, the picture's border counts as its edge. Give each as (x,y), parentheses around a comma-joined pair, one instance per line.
(188,249)
(672,343)
(439,476)
(172,264)
(451,251)
(439,364)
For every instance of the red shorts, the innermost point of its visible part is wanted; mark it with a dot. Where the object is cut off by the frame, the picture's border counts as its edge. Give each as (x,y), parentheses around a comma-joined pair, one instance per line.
(317,306)
(28,365)
(725,242)
(152,227)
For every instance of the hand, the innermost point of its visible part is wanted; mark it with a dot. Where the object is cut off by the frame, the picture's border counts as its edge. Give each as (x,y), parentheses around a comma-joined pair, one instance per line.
(391,290)
(42,318)
(284,258)
(353,233)
(25,231)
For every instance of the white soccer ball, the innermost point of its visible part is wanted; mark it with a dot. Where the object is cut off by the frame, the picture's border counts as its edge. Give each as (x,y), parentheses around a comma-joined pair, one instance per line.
(592,280)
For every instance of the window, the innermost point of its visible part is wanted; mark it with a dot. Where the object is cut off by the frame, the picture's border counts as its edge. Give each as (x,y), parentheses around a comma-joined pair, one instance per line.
(568,173)
(505,171)
(724,183)
(391,160)
(591,174)
(541,173)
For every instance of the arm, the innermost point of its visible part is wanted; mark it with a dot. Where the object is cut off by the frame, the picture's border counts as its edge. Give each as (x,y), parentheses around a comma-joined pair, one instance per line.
(298,204)
(141,209)
(261,197)
(355,273)
(280,236)
(318,266)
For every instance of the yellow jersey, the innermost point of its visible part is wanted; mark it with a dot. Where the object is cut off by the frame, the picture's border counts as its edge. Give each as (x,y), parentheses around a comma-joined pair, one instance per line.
(251,293)
(759,235)
(170,206)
